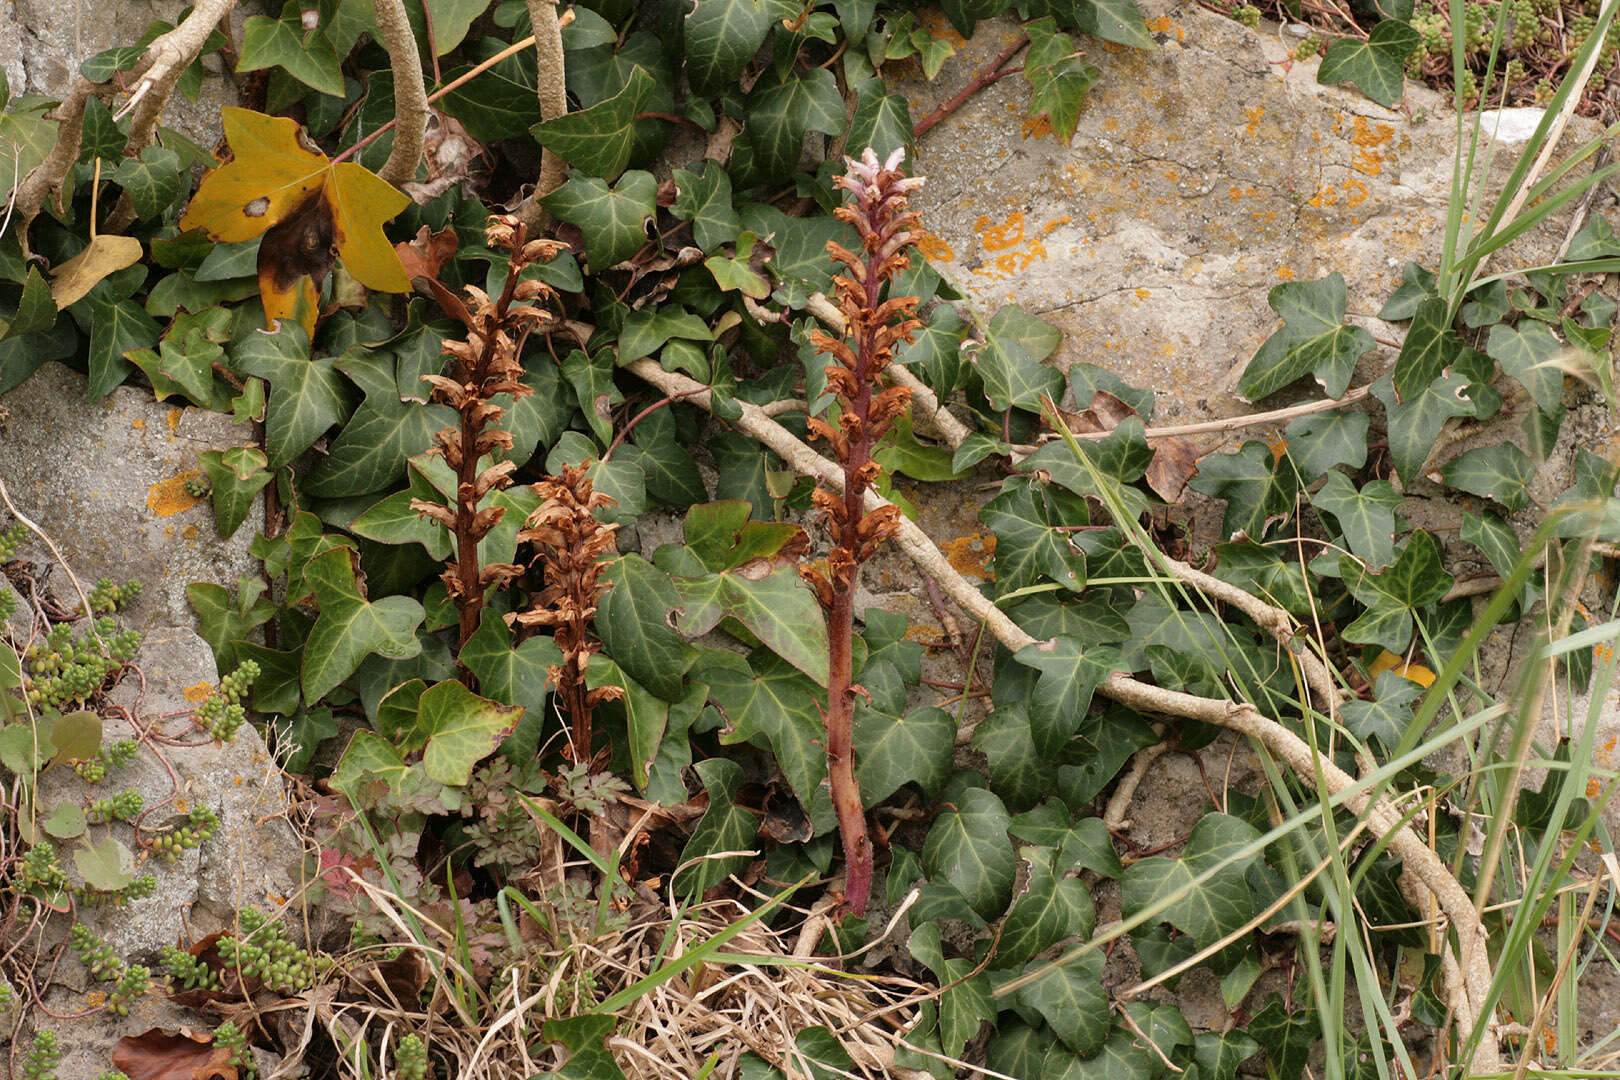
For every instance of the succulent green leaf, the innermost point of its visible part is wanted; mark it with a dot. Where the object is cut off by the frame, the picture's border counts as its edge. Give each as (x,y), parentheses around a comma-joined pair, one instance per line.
(350,627)
(771,601)
(1122,1057)
(451,21)
(370,452)
(1376,66)
(1417,285)
(101,137)
(1314,339)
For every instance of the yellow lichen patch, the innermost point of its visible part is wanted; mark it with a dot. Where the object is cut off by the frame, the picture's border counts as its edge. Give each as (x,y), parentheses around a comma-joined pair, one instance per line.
(1355,192)
(172,418)
(197,693)
(939,27)
(1286,273)
(970,554)
(167,498)
(1367,138)
(138,423)
(1111,123)
(1048,226)
(1326,195)
(1163,25)
(1252,117)
(1008,234)
(935,249)
(190,532)
(1143,294)
(1037,127)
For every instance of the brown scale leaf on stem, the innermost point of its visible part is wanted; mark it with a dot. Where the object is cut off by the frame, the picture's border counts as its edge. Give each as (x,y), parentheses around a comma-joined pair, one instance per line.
(874,324)
(572,550)
(484,364)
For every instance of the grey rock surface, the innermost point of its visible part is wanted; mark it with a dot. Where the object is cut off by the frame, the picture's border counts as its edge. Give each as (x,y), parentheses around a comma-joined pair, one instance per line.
(107,482)
(43,42)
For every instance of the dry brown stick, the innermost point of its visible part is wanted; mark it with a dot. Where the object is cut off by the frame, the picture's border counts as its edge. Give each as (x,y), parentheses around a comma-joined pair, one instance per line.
(552,90)
(46,178)
(1384,821)
(410,95)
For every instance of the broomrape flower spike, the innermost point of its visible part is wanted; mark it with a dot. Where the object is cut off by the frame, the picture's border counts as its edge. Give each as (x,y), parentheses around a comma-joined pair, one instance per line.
(873,327)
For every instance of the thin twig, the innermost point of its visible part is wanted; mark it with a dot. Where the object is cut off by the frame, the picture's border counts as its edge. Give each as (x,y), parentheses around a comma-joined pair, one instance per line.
(983,79)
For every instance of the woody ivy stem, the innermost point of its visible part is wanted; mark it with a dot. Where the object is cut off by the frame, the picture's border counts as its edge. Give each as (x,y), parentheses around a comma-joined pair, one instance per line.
(873,326)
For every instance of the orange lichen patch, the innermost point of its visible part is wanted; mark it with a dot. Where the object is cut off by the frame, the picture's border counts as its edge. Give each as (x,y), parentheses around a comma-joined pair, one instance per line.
(1593,789)
(970,554)
(172,418)
(935,249)
(1143,294)
(1355,192)
(922,635)
(1264,217)
(1367,138)
(189,533)
(1326,195)
(138,423)
(1111,47)
(167,498)
(1167,349)
(939,27)
(1252,117)
(1278,447)
(1163,25)
(197,693)
(1286,273)
(1008,234)
(1048,226)
(1111,123)
(1037,127)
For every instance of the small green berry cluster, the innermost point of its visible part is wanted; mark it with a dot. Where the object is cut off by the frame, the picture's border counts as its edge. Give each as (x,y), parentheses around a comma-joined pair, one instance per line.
(198,487)
(139,889)
(42,1058)
(108,596)
(41,870)
(187,972)
(125,806)
(222,714)
(11,540)
(114,1075)
(95,954)
(115,755)
(8,604)
(1309,46)
(134,983)
(1248,15)
(260,950)
(410,1059)
(200,825)
(230,1037)
(5,994)
(65,668)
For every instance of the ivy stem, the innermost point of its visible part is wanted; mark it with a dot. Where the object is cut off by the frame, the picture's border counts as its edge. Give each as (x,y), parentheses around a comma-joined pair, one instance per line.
(984,78)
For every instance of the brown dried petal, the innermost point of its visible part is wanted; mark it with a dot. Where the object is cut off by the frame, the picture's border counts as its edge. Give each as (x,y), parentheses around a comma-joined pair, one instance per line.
(820,429)
(442,514)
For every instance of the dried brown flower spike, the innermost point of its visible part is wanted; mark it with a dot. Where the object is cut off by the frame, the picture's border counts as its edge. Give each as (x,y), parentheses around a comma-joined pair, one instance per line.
(572,548)
(485,364)
(874,326)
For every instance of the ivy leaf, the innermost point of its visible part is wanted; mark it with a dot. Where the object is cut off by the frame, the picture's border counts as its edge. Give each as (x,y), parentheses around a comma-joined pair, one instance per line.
(1052,907)
(585,1036)
(771,702)
(1431,346)
(36,308)
(236,476)
(966,1003)
(350,627)
(1501,472)
(306,395)
(646,715)
(385,432)
(1417,285)
(704,199)
(1219,1054)
(1288,1037)
(451,21)
(1028,543)
(613,218)
(1257,568)
(721,36)
(1524,351)
(1416,580)
(723,827)
(1258,489)
(1318,442)
(1114,20)
(222,622)
(634,618)
(1387,716)
(1018,1050)
(1366,517)
(151,181)
(1070,672)
(771,601)
(1377,66)
(1058,76)
(967,848)
(598,139)
(308,57)
(779,115)
(882,120)
(645,331)
(1071,999)
(891,751)
(1009,363)
(1414,424)
(116,325)
(1016,771)
(461,728)
(1314,339)
(1207,911)
(1121,1058)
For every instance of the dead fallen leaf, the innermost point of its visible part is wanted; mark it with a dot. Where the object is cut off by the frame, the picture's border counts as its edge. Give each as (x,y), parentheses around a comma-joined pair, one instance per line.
(172,1054)
(106,255)
(425,254)
(1175,461)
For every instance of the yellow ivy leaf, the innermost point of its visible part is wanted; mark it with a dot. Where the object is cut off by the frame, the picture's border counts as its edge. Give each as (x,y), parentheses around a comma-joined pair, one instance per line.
(275,176)
(106,255)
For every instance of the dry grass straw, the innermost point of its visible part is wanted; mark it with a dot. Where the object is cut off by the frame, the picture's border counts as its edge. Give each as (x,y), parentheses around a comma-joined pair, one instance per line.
(755,995)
